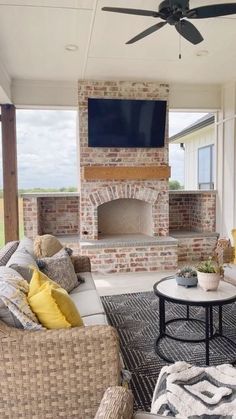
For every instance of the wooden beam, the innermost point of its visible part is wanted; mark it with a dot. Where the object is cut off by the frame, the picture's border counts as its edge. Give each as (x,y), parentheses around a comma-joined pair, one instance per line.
(126,172)
(9,160)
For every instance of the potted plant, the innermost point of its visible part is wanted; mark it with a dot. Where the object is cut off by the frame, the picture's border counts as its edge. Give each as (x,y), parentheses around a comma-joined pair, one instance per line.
(187,277)
(209,274)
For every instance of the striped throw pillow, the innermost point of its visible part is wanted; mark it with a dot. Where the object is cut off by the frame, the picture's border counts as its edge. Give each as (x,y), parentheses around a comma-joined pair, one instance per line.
(7,251)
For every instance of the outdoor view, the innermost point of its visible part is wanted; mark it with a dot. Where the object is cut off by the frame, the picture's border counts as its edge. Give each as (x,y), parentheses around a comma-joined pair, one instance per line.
(47,157)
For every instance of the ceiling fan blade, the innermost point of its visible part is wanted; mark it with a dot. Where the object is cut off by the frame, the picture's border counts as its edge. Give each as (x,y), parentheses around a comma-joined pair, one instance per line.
(138,12)
(147,32)
(214,10)
(189,31)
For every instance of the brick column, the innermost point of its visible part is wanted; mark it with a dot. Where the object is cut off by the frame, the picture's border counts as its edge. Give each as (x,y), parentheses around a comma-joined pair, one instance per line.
(31,217)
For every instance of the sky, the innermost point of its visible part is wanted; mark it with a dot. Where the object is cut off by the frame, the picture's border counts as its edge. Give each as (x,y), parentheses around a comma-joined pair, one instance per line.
(46,146)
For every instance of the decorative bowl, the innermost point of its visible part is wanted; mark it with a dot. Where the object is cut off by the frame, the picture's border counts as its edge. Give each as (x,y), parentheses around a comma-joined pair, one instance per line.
(186,282)
(208,281)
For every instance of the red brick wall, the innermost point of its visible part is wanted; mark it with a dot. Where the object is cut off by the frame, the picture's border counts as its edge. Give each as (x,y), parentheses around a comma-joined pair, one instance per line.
(51,215)
(192,211)
(59,215)
(121,156)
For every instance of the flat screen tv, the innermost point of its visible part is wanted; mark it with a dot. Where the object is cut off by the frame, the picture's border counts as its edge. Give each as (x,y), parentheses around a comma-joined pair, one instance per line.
(126,123)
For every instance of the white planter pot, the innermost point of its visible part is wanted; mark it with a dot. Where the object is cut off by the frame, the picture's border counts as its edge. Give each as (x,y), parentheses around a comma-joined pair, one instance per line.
(208,281)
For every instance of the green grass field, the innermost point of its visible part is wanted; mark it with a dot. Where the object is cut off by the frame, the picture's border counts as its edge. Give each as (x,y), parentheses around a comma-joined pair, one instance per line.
(21,225)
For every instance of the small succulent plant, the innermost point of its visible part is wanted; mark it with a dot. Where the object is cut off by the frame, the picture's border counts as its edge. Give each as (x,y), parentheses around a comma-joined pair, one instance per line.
(211,267)
(187,272)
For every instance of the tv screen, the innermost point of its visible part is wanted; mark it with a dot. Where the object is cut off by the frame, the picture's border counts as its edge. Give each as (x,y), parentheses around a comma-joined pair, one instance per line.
(126,123)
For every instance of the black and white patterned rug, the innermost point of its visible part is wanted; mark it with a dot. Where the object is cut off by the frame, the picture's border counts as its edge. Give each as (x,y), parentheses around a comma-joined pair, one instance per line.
(136,318)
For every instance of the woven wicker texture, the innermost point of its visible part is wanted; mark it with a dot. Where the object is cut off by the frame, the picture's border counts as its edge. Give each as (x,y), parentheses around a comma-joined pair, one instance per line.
(117,403)
(56,373)
(81,263)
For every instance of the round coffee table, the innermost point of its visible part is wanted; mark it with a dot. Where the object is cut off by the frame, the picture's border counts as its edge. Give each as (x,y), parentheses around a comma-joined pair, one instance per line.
(168,290)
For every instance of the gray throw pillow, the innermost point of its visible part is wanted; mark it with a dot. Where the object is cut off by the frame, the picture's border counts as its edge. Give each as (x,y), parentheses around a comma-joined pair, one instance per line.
(60,269)
(7,251)
(28,245)
(22,262)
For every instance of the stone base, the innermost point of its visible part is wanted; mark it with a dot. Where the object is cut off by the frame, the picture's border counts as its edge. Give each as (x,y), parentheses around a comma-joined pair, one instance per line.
(194,247)
(131,253)
(140,253)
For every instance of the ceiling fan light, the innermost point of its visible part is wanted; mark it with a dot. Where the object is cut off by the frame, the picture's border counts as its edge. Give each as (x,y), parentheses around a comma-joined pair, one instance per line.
(202,53)
(71,47)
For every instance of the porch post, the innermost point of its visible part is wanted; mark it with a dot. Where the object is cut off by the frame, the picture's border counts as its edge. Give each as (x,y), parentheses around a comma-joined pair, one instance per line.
(9,159)
(226,162)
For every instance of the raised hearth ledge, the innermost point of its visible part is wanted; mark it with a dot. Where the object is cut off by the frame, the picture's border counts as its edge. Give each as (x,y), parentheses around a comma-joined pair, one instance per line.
(132,240)
(50,194)
(178,234)
(193,192)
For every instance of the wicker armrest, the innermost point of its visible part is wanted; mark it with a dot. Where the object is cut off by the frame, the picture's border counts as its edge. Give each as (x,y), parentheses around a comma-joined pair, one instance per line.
(81,263)
(56,373)
(117,403)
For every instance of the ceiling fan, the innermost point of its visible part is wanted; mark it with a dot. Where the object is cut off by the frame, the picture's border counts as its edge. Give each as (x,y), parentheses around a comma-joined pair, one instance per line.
(175,13)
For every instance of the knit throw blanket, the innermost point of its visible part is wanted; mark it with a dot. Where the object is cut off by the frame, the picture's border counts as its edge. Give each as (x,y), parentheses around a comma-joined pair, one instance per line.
(186,391)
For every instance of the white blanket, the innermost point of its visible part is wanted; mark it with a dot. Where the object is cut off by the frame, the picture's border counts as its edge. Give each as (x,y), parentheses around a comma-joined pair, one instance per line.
(186,391)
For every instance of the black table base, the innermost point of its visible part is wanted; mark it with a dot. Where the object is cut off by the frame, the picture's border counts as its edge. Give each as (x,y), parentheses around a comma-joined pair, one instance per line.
(210,331)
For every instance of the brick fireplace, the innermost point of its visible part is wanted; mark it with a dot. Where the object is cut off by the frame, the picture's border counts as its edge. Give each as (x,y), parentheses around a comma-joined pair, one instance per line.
(96,194)
(124,200)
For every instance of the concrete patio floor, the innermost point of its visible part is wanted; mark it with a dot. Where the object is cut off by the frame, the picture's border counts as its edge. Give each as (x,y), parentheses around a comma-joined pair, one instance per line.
(124,283)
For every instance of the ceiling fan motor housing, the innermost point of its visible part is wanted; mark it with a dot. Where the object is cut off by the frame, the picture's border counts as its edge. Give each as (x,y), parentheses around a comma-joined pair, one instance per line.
(173,10)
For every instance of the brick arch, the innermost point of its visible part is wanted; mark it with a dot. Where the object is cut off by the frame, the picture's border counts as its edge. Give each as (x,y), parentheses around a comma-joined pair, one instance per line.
(110,193)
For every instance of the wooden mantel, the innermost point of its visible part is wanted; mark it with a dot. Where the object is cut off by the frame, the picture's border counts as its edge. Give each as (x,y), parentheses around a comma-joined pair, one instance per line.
(125,172)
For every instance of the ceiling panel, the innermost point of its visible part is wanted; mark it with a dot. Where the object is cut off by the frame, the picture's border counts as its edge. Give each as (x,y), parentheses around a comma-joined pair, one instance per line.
(32,42)
(33,39)
(156,56)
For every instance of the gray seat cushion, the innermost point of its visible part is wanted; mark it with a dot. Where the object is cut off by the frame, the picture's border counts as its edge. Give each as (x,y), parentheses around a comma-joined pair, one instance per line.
(96,319)
(230,273)
(87,285)
(87,302)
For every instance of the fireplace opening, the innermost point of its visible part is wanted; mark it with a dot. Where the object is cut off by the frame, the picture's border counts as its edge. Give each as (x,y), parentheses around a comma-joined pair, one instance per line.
(124,216)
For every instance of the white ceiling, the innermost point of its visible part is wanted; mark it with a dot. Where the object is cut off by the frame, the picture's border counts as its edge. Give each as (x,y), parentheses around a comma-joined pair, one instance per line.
(33,39)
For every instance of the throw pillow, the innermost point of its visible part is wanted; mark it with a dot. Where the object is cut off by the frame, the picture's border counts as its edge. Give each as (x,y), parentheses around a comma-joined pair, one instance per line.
(52,305)
(14,307)
(7,251)
(22,262)
(60,269)
(46,246)
(28,245)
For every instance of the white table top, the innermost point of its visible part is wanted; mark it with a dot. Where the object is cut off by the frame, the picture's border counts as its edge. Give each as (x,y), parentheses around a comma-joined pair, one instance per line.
(169,288)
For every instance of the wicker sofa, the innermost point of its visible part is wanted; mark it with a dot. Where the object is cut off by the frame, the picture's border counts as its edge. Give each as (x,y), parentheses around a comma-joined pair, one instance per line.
(62,373)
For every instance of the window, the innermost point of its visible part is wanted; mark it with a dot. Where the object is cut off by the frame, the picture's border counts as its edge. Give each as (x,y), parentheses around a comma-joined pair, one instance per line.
(206,167)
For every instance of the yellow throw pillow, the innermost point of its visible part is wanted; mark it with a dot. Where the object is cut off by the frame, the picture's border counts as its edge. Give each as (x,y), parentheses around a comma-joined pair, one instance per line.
(38,279)
(52,304)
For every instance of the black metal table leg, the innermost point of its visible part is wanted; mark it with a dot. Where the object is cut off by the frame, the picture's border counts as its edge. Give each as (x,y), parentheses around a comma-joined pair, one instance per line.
(207,334)
(211,322)
(162,317)
(187,315)
(220,321)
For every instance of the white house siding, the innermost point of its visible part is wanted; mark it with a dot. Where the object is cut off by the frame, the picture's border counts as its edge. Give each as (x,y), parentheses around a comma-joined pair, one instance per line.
(192,142)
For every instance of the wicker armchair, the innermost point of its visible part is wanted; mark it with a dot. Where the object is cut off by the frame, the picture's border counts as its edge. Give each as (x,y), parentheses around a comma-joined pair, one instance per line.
(64,373)
(59,373)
